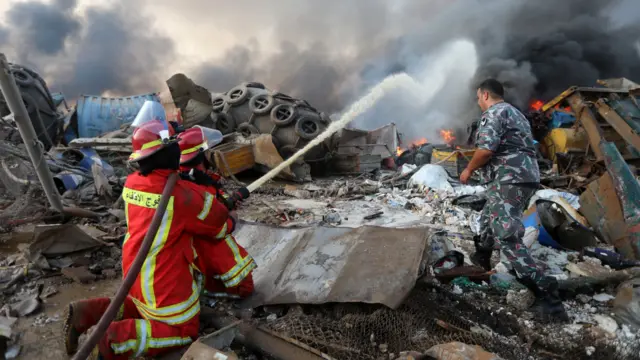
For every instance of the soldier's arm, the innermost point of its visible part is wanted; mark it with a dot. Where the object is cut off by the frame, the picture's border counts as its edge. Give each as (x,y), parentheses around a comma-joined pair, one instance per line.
(487,141)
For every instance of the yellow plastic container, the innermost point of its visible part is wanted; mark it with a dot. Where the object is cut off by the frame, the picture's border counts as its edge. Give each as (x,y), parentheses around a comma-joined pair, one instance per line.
(565,140)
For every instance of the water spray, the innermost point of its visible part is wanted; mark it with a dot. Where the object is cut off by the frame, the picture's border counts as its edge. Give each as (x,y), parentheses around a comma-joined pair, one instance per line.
(374,95)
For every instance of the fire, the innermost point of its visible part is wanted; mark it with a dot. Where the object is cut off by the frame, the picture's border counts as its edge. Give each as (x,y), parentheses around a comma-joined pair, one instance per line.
(414,143)
(447,136)
(565,109)
(537,105)
(418,142)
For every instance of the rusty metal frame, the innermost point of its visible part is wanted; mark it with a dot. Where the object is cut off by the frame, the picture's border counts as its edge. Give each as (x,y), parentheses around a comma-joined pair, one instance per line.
(559,98)
(618,123)
(572,90)
(585,116)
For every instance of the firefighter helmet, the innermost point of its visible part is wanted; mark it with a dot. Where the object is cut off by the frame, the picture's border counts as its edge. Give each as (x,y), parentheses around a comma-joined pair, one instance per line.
(196,140)
(151,131)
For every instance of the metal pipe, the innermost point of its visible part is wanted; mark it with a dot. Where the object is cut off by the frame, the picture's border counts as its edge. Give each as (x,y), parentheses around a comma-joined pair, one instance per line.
(21,117)
(132,274)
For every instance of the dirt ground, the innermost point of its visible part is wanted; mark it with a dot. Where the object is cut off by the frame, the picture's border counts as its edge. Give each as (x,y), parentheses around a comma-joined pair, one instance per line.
(41,333)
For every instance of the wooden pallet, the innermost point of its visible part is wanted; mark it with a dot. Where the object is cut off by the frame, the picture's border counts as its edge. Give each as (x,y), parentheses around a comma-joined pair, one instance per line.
(231,159)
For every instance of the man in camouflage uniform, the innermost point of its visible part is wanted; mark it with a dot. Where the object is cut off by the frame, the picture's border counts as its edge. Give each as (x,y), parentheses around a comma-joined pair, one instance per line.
(506,156)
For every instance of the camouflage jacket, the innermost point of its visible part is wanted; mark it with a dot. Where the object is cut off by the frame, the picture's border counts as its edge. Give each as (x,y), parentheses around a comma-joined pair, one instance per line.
(505,131)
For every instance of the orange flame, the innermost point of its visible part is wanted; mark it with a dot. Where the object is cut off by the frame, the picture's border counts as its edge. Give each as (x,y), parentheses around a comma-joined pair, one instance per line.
(537,105)
(565,109)
(414,143)
(418,142)
(447,136)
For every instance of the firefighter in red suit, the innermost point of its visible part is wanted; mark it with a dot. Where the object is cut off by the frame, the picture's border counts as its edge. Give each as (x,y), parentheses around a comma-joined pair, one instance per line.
(226,266)
(161,311)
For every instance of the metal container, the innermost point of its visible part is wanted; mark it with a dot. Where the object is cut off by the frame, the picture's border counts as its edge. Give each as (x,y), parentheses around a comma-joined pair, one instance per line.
(98,115)
(453,161)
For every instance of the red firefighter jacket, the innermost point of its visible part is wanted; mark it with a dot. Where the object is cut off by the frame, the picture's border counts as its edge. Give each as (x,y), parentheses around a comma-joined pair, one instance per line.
(165,289)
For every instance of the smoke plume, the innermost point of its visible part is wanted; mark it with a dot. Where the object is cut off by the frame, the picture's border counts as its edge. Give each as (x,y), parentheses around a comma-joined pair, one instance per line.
(330,52)
(112,49)
(42,28)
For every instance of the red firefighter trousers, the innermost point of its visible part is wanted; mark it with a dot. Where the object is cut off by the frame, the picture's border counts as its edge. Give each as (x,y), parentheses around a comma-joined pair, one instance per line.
(131,335)
(226,267)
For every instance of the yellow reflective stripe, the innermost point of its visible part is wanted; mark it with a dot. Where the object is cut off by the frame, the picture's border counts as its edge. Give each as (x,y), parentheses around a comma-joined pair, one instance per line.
(123,347)
(234,248)
(240,261)
(193,149)
(141,198)
(172,309)
(151,144)
(149,266)
(175,319)
(143,331)
(120,313)
(234,270)
(158,343)
(243,274)
(223,232)
(126,216)
(208,202)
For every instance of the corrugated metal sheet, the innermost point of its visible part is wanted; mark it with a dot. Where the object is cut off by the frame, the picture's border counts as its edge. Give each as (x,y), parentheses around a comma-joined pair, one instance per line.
(325,264)
(98,115)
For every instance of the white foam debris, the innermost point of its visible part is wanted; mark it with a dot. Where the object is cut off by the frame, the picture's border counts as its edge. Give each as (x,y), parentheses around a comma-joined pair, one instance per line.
(590,350)
(457,290)
(606,323)
(603,297)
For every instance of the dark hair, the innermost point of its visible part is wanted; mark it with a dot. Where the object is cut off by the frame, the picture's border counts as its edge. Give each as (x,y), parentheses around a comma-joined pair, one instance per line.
(167,158)
(493,87)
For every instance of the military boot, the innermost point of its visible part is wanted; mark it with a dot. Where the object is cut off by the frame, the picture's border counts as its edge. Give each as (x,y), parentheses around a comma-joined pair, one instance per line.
(482,256)
(548,305)
(81,316)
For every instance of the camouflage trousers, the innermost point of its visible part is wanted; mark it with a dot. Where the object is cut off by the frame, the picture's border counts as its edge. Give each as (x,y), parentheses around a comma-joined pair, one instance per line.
(501,228)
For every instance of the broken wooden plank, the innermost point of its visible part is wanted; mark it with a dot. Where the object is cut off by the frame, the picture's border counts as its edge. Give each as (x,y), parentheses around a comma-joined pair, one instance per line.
(618,123)
(585,116)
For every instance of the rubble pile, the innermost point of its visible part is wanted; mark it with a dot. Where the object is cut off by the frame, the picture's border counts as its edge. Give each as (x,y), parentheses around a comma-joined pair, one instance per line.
(375,250)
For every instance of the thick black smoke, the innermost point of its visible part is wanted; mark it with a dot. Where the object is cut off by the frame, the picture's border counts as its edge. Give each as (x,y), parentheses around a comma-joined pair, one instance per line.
(109,49)
(330,52)
(568,43)
(43,28)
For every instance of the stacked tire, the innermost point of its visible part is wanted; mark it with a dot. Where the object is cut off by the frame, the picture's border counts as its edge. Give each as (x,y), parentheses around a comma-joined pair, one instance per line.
(38,102)
(252,109)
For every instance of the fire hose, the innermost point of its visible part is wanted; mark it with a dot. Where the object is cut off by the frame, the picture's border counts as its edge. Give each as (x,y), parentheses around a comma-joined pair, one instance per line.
(356,109)
(131,276)
(134,270)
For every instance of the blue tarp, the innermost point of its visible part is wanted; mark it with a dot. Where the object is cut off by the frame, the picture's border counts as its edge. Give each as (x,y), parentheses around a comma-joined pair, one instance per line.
(561,119)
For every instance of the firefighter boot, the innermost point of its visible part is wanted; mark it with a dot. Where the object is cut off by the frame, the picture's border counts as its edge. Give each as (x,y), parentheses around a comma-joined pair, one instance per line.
(82,315)
(482,256)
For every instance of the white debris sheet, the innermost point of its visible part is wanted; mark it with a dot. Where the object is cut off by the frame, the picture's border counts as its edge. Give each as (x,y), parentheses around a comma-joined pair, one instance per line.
(333,264)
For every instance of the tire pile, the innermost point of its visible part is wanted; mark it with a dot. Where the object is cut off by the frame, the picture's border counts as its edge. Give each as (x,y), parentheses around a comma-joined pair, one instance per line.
(251,109)
(39,103)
